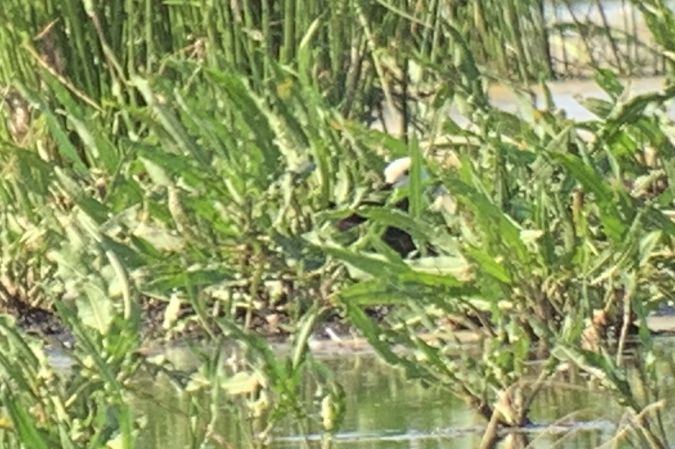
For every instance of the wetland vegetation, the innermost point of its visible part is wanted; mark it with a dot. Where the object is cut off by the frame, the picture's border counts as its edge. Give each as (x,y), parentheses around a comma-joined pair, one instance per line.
(175,171)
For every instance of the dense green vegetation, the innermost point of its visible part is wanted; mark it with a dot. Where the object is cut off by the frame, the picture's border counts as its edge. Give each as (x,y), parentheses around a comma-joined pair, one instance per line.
(178,167)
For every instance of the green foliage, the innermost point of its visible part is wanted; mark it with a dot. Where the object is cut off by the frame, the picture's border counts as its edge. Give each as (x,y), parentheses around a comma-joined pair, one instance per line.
(558,224)
(185,161)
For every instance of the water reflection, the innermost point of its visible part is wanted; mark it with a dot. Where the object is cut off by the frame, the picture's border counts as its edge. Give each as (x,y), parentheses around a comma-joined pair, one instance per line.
(568,97)
(384,410)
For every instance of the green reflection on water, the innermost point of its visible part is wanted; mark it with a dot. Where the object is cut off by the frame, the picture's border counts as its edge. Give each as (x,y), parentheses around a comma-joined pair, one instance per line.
(384,410)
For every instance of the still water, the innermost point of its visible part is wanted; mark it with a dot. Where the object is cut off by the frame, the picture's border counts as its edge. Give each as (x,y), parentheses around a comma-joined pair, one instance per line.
(385,410)
(569,98)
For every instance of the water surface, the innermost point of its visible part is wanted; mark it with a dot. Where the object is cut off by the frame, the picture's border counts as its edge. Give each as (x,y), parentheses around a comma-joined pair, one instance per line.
(385,410)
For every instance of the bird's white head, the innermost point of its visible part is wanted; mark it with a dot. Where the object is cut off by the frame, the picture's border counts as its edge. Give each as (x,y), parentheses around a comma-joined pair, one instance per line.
(397,172)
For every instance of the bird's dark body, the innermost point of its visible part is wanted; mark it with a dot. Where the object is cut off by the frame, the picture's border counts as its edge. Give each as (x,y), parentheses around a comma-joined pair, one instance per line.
(397,239)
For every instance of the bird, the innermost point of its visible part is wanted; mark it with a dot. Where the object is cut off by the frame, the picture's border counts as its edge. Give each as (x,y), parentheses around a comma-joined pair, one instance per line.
(396,175)
(397,172)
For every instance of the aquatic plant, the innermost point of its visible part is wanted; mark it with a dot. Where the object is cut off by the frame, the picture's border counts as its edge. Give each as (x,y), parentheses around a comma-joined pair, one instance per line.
(178,167)
(559,244)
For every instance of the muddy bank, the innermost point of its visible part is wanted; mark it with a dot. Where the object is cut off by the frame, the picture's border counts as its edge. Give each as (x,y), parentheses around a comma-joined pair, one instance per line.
(330,336)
